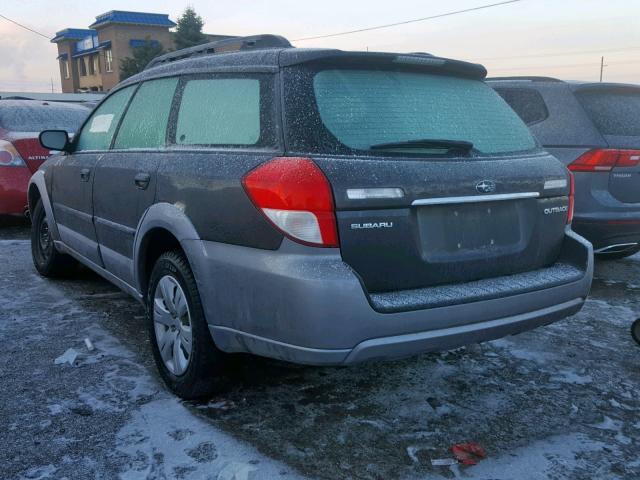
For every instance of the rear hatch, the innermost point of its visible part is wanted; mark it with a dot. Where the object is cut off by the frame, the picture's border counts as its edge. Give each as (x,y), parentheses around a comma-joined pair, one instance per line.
(435,179)
(615,111)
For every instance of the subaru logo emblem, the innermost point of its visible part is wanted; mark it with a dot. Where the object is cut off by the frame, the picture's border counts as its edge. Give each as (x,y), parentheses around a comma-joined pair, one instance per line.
(486,186)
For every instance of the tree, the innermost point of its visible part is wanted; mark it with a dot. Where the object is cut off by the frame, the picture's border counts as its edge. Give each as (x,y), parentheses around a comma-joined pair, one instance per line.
(142,55)
(189,30)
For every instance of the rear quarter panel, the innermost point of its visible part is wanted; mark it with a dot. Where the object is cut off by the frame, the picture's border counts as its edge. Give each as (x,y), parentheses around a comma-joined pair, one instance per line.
(207,186)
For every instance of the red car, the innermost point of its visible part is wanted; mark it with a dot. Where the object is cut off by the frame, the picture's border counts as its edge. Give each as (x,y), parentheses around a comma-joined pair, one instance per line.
(20,152)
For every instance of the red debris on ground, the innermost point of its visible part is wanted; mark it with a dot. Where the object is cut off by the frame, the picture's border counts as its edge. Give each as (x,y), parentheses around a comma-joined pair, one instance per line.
(468,453)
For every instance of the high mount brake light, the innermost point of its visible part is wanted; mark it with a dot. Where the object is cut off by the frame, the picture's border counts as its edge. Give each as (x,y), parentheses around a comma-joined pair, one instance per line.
(295,195)
(605,159)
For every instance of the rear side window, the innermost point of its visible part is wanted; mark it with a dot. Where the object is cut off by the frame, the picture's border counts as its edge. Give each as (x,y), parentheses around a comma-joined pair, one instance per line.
(526,102)
(222,112)
(145,123)
(98,132)
(613,112)
(32,116)
(361,109)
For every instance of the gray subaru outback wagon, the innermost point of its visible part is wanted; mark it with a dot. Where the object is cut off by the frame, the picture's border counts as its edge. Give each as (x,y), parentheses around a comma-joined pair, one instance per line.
(311,205)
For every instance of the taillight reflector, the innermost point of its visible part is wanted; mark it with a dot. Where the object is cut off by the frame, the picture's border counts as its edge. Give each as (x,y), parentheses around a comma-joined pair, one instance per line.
(572,197)
(605,159)
(294,194)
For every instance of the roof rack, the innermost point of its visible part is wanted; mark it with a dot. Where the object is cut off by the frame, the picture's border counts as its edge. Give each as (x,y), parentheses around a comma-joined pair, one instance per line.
(254,42)
(527,78)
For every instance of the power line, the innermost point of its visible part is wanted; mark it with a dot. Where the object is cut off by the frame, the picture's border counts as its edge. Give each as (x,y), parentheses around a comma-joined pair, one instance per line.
(415,20)
(25,27)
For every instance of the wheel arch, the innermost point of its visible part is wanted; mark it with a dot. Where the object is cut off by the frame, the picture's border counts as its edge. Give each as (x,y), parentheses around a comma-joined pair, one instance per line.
(33,195)
(163,227)
(37,190)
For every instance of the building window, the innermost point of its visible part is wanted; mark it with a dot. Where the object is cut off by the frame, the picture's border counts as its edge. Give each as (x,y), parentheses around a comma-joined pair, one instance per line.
(65,68)
(92,66)
(108,60)
(82,67)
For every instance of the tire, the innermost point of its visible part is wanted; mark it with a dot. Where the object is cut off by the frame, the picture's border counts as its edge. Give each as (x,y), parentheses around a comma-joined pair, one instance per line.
(635,331)
(48,261)
(174,313)
(617,255)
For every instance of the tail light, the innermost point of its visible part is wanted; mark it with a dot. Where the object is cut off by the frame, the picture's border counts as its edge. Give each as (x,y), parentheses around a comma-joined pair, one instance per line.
(294,194)
(9,156)
(605,159)
(572,197)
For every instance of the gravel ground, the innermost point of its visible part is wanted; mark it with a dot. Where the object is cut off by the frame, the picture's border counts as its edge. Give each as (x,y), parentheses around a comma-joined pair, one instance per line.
(558,402)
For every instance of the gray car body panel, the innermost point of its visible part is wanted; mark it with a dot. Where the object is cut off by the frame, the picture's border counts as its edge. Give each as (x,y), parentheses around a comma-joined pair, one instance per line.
(306,306)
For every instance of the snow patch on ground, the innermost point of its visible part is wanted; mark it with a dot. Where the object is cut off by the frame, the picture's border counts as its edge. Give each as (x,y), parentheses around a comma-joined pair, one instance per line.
(167,440)
(537,461)
(512,348)
(164,439)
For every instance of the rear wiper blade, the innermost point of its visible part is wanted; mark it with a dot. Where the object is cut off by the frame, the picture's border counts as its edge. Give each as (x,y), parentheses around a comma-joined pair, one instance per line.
(459,145)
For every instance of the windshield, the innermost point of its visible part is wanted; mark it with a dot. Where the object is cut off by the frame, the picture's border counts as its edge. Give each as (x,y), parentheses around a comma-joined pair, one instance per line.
(38,116)
(363,109)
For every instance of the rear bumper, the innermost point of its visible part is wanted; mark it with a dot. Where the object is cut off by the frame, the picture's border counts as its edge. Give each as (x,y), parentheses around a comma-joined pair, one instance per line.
(306,305)
(600,217)
(604,230)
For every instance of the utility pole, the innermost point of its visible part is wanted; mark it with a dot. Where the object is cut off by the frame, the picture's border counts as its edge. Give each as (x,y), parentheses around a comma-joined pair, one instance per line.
(602,65)
(52,84)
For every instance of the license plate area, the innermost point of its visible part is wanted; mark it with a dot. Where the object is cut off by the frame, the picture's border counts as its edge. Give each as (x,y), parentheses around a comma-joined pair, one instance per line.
(468,231)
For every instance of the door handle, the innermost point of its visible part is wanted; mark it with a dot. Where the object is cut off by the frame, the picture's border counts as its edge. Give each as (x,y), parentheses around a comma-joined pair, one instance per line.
(85,174)
(142,180)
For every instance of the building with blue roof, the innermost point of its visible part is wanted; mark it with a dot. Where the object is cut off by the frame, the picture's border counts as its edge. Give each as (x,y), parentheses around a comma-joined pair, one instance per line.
(133,18)
(90,58)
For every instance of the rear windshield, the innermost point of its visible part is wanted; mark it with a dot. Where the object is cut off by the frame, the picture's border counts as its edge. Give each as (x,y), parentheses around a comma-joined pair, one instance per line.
(36,117)
(614,113)
(356,110)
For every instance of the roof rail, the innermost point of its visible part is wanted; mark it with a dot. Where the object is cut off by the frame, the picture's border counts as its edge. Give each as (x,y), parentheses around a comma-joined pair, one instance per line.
(254,42)
(527,78)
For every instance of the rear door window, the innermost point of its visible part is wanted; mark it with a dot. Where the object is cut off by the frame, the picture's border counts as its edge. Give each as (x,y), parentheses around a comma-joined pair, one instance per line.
(226,111)
(98,132)
(526,102)
(613,112)
(145,123)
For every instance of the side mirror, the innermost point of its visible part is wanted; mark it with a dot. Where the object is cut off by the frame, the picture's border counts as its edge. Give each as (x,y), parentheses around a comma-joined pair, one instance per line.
(54,140)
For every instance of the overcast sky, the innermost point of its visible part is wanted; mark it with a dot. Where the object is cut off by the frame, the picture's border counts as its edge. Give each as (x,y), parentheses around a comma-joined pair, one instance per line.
(561,38)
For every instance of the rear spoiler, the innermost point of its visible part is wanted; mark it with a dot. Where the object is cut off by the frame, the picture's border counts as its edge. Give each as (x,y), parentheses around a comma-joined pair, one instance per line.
(415,61)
